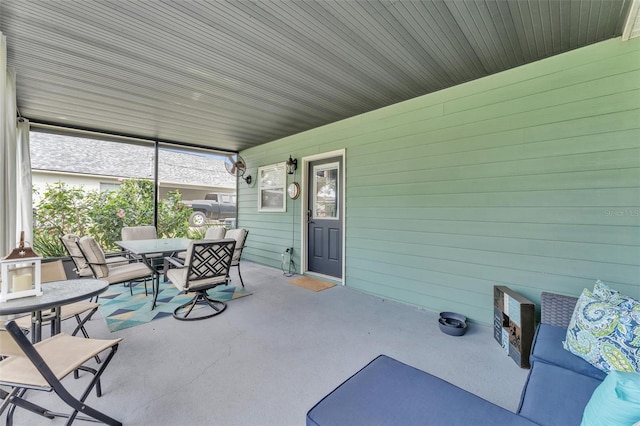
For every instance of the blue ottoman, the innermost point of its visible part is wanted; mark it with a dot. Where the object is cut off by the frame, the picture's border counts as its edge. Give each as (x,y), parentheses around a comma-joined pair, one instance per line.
(388,392)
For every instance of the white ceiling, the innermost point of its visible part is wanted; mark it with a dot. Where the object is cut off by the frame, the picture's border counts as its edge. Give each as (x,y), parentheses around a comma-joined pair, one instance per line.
(236,74)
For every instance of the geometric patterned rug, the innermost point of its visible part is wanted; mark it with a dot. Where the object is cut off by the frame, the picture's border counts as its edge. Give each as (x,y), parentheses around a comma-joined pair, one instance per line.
(121,310)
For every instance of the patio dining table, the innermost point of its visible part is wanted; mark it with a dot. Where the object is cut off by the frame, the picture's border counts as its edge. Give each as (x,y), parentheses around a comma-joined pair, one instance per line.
(145,248)
(55,294)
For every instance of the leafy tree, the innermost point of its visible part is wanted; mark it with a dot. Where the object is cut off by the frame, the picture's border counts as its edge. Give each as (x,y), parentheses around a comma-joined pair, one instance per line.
(64,209)
(130,205)
(173,216)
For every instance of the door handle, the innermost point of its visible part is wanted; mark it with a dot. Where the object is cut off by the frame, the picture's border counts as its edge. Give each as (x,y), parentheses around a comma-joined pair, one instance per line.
(309,217)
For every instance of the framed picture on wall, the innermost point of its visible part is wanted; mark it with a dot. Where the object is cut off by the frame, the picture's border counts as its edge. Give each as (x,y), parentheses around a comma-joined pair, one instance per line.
(272,186)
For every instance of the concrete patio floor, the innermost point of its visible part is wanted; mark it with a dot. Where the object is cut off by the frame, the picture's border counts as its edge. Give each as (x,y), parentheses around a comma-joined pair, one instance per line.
(271,356)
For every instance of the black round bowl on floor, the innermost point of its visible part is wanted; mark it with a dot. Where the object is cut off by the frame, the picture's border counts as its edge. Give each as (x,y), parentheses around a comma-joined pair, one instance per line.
(452,324)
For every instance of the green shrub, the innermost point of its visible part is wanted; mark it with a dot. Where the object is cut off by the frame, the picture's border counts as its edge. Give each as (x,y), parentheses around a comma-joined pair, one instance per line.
(71,210)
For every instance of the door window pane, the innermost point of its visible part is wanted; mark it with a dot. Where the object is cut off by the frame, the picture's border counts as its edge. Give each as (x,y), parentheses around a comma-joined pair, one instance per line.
(325,189)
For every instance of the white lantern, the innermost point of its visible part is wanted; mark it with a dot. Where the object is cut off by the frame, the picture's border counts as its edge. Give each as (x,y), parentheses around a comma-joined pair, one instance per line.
(20,273)
(20,278)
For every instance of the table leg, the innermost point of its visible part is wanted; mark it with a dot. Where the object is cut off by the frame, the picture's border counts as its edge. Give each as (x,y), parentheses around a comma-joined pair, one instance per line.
(156,277)
(156,280)
(56,327)
(156,288)
(36,326)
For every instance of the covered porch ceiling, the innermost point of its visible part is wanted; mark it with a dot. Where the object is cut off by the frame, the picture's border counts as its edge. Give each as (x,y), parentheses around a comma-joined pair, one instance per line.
(235,74)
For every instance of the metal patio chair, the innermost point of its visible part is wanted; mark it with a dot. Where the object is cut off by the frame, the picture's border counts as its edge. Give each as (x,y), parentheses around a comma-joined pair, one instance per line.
(143,232)
(129,273)
(240,235)
(43,365)
(82,269)
(213,233)
(207,266)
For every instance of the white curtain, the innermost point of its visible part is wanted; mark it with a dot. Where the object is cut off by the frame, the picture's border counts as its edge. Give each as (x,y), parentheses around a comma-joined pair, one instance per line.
(24,213)
(15,165)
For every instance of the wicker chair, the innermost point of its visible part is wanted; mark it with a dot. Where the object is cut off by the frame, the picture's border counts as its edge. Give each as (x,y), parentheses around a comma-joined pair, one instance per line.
(557,309)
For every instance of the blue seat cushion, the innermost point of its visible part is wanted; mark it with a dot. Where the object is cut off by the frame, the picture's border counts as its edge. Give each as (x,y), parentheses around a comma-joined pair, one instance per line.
(555,395)
(388,392)
(547,347)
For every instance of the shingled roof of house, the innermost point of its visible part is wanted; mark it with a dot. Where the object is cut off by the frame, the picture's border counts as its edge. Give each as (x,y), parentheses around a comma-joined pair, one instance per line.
(99,157)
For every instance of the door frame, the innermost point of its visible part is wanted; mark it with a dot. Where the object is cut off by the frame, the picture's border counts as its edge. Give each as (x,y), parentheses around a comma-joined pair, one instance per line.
(304,229)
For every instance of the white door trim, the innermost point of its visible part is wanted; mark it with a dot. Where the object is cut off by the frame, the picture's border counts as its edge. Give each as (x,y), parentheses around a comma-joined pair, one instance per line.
(304,202)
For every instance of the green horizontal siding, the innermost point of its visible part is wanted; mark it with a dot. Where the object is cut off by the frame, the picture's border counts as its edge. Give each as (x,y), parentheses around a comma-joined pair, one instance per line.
(528,178)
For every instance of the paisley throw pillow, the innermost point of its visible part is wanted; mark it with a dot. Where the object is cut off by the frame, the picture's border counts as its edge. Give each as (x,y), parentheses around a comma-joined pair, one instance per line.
(606,333)
(605,293)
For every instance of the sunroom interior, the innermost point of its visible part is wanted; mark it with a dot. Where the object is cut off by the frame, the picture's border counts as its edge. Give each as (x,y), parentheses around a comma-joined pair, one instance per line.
(482,143)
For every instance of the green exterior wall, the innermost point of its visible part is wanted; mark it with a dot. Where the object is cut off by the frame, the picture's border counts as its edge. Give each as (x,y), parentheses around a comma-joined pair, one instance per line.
(528,178)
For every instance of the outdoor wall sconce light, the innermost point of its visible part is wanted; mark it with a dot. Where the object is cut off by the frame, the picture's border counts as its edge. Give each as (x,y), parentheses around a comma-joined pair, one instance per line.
(292,165)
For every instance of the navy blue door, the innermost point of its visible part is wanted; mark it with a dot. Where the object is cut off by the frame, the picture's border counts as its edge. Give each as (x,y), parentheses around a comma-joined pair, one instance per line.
(324,217)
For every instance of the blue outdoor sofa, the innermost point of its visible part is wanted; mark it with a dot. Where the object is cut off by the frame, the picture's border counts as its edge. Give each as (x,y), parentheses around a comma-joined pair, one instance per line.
(388,392)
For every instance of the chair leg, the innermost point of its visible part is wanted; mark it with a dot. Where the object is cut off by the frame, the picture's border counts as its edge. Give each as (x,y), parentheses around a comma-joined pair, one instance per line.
(215,304)
(240,275)
(80,327)
(191,304)
(16,399)
(201,296)
(78,404)
(82,322)
(4,395)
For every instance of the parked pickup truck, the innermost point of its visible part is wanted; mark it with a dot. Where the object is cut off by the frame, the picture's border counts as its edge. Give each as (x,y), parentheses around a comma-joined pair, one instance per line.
(213,207)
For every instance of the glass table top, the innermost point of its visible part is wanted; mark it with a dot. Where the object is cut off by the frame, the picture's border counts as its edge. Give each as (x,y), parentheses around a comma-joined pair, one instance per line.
(158,245)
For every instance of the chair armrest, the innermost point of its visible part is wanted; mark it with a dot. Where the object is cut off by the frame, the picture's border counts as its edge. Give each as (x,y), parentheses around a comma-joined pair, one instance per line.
(97,263)
(122,254)
(557,309)
(115,253)
(174,261)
